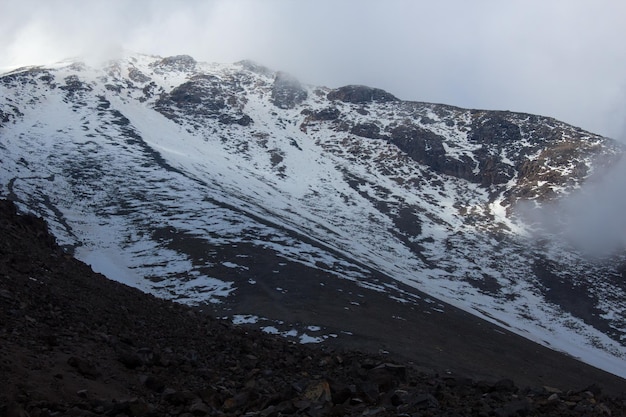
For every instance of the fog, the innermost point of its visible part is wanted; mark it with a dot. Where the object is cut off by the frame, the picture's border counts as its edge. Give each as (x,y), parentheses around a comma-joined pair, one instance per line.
(592,219)
(562,58)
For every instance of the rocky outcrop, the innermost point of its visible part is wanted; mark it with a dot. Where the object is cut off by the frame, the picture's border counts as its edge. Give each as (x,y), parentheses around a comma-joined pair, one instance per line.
(494,129)
(287,92)
(203,96)
(420,144)
(137,76)
(427,148)
(182,63)
(367,130)
(327,114)
(74,86)
(359,94)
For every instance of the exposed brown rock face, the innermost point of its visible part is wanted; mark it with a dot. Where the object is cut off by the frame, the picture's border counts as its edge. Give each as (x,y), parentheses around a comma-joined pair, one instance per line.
(75,343)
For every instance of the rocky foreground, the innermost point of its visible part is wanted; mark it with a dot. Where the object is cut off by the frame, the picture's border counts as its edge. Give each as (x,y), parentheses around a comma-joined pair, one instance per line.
(73,343)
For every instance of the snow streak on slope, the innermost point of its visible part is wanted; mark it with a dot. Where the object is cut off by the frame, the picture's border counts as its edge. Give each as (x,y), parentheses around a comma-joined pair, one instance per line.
(155,169)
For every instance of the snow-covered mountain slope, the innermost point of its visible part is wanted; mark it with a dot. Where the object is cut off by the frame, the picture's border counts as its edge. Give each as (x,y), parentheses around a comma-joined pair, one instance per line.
(198,181)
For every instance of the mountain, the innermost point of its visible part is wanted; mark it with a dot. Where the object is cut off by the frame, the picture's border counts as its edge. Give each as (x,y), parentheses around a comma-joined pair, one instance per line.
(344,216)
(75,343)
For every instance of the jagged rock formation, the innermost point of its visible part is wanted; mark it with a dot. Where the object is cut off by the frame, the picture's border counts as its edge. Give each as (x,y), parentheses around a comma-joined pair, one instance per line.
(238,188)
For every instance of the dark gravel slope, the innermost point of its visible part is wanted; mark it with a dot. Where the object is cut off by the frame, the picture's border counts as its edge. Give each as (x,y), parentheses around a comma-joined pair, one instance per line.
(73,343)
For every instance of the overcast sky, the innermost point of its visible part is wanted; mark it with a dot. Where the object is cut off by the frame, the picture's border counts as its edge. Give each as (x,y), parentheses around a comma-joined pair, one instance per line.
(559,58)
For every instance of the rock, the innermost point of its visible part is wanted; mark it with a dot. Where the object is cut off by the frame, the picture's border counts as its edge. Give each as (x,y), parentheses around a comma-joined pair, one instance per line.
(494,129)
(242,120)
(604,410)
(369,391)
(505,385)
(421,145)
(340,392)
(423,401)
(139,409)
(176,63)
(15,410)
(318,391)
(84,367)
(595,389)
(327,114)
(515,408)
(287,92)
(360,94)
(387,376)
(236,401)
(173,396)
(302,404)
(366,130)
(138,76)
(281,409)
(459,382)
(148,356)
(198,408)
(130,359)
(374,411)
(153,383)
(78,412)
(552,390)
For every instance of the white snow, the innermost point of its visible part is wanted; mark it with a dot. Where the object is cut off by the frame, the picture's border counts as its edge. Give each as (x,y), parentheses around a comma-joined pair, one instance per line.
(245,319)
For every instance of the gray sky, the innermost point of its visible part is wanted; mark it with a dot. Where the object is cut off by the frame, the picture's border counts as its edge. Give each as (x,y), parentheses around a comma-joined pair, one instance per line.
(559,58)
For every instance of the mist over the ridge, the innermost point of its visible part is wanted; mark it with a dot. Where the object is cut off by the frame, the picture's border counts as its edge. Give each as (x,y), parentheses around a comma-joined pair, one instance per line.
(562,58)
(592,218)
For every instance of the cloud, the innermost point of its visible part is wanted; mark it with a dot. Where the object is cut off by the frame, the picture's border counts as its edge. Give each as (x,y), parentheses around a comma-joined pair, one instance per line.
(590,219)
(561,58)
(594,218)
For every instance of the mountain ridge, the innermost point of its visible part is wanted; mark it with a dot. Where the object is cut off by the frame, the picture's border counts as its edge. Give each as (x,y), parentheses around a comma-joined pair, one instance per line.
(253,154)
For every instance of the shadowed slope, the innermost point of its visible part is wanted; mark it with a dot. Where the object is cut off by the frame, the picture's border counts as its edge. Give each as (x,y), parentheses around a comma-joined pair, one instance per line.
(75,343)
